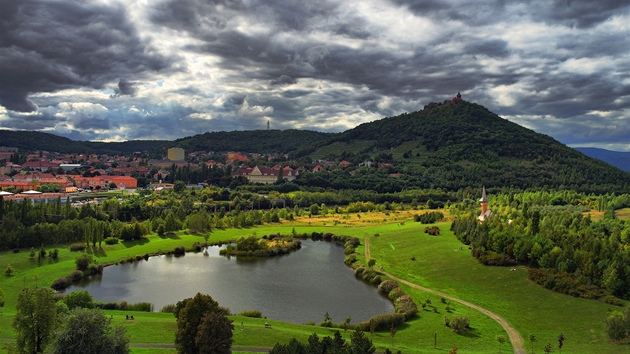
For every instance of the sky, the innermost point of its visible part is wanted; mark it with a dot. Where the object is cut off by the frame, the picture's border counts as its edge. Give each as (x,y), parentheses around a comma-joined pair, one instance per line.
(116,70)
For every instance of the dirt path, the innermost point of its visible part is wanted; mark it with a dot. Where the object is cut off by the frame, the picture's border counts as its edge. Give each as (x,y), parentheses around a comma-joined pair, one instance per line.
(515,337)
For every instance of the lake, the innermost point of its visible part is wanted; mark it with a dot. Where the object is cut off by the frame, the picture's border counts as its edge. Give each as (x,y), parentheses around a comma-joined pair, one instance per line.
(299,287)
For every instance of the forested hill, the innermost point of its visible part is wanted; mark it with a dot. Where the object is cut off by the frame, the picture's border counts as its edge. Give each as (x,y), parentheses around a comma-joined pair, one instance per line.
(461,144)
(292,141)
(29,141)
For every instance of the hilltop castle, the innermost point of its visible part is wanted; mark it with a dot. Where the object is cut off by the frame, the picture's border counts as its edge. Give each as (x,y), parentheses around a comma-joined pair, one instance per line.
(457,99)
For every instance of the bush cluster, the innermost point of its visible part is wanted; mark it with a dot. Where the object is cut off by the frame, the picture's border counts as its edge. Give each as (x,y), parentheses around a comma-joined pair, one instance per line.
(251,313)
(382,322)
(433,230)
(491,258)
(111,240)
(77,247)
(429,218)
(563,282)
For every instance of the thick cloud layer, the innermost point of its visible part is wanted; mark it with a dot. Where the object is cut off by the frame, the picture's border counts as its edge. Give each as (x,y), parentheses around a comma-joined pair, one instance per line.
(121,70)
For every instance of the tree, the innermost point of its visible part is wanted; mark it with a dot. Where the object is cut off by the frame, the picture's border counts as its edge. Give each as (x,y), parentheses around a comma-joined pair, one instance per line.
(360,344)
(548,348)
(561,339)
(179,186)
(616,326)
(532,339)
(83,261)
(190,314)
(215,333)
(9,270)
(346,324)
(80,299)
(1,300)
(371,262)
(35,318)
(392,333)
(89,331)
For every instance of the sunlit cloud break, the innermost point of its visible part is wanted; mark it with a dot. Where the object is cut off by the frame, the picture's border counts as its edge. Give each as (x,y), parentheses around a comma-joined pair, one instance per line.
(124,70)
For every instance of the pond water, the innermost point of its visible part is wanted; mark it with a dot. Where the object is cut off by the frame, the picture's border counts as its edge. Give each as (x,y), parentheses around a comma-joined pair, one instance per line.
(299,287)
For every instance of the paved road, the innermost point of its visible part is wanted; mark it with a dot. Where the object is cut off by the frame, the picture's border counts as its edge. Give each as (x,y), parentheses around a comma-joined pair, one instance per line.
(515,337)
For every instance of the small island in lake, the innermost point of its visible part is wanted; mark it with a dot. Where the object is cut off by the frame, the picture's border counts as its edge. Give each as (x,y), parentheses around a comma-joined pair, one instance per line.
(268,246)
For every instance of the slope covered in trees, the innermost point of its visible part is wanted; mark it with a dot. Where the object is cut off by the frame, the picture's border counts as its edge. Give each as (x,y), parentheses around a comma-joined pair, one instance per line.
(464,144)
(27,141)
(259,141)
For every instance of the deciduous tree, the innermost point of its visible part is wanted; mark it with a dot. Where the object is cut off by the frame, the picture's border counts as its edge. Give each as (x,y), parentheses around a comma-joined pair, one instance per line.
(89,331)
(190,314)
(35,319)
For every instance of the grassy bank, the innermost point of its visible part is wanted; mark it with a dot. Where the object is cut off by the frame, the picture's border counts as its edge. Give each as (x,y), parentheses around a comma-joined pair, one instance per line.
(441,262)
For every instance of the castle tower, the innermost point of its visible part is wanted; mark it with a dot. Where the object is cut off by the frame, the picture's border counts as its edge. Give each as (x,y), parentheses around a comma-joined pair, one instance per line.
(485,213)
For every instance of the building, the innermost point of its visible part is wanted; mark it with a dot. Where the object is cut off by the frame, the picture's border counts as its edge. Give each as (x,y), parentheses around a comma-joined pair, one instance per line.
(175,154)
(266,175)
(485,213)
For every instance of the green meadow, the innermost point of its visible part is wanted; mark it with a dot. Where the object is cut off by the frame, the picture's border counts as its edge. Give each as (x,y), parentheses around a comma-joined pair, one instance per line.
(400,246)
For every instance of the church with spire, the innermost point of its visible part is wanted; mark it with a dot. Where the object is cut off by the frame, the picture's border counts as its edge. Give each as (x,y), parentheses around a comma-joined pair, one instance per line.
(485,212)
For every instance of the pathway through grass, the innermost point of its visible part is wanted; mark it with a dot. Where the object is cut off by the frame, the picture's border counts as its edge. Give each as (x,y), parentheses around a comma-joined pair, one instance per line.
(515,337)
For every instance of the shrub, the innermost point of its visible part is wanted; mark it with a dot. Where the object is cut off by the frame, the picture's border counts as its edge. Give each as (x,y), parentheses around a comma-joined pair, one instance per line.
(77,247)
(429,218)
(75,275)
(138,257)
(106,305)
(95,269)
(368,275)
(140,306)
(395,293)
(376,280)
(80,299)
(351,258)
(611,300)
(387,286)
(406,306)
(460,323)
(433,230)
(83,261)
(359,272)
(170,308)
(382,322)
(54,254)
(111,240)
(251,313)
(179,251)
(60,283)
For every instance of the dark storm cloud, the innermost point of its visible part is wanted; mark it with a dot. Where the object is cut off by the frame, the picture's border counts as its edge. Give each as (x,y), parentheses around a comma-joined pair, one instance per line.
(582,13)
(126,88)
(283,80)
(48,46)
(181,67)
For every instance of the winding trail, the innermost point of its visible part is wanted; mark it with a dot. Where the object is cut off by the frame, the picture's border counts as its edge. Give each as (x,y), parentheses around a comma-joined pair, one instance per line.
(515,337)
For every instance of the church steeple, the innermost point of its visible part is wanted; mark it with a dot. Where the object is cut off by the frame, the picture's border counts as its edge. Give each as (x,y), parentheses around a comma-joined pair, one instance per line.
(485,213)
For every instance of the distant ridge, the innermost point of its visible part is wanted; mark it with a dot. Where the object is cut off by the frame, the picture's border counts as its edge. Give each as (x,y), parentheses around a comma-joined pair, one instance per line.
(452,145)
(619,159)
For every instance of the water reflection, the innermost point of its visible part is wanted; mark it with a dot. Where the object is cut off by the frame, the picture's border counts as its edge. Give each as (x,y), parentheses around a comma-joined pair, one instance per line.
(299,287)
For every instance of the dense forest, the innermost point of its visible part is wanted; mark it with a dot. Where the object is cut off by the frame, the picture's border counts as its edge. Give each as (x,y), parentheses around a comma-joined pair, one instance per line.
(442,146)
(29,141)
(292,141)
(549,232)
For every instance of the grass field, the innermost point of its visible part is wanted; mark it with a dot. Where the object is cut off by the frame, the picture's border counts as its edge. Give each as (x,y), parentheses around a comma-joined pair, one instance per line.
(441,263)
(623,214)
